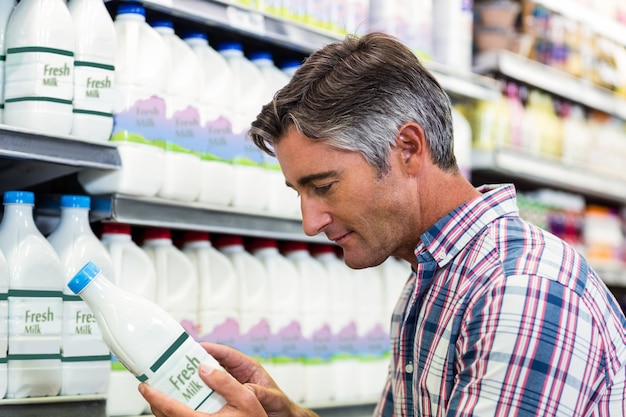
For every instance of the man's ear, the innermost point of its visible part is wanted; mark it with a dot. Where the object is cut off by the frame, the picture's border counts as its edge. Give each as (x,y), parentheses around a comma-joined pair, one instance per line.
(411,143)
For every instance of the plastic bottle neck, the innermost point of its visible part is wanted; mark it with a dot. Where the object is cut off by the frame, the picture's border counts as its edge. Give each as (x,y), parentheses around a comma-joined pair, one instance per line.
(232,249)
(130,17)
(18,214)
(75,215)
(197,244)
(115,237)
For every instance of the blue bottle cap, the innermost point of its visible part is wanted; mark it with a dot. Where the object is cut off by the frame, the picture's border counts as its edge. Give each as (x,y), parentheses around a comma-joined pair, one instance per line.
(19,197)
(83,277)
(131,7)
(77,201)
(162,23)
(291,64)
(194,34)
(259,55)
(230,46)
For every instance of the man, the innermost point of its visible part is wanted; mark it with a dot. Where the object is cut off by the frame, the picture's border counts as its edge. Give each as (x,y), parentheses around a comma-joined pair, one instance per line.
(498,317)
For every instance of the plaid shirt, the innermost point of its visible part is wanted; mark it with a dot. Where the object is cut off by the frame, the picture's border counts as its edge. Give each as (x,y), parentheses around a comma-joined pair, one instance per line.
(503,319)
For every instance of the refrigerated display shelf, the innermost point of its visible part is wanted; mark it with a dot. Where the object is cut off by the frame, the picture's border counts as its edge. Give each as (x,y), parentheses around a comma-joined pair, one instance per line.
(599,24)
(60,406)
(513,166)
(303,38)
(153,211)
(28,157)
(551,80)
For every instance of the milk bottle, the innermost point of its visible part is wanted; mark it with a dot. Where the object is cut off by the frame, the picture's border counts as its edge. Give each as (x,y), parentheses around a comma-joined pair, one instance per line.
(39,68)
(134,272)
(253,297)
(148,341)
(218,308)
(345,364)
(94,69)
(290,67)
(141,71)
(4,319)
(6,8)
(373,335)
(35,301)
(176,278)
(316,321)
(217,185)
(248,87)
(85,358)
(285,298)
(182,165)
(282,200)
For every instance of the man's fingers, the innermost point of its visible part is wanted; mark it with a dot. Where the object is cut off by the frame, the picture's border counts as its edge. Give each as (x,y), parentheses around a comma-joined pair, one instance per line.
(161,404)
(238,396)
(242,367)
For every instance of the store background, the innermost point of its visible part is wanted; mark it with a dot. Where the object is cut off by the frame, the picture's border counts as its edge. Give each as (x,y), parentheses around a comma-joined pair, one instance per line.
(542,86)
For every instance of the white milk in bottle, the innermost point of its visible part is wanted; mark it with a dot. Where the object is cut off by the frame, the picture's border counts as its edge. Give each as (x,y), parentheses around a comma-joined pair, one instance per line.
(176,278)
(39,67)
(141,71)
(282,200)
(85,358)
(4,319)
(134,272)
(315,303)
(372,332)
(248,88)
(94,69)
(148,341)
(285,314)
(218,305)
(345,364)
(253,297)
(182,165)
(35,301)
(6,8)
(217,185)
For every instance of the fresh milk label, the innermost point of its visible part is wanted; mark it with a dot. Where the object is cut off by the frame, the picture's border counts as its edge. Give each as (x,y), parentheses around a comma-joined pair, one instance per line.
(93,88)
(81,332)
(176,373)
(35,316)
(39,73)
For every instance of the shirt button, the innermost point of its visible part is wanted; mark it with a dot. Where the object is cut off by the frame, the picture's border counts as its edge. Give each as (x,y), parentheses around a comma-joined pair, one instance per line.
(409,368)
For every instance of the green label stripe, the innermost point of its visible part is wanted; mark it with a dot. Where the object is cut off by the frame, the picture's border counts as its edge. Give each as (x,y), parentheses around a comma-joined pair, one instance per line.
(168,352)
(94,358)
(205,399)
(31,357)
(3,57)
(1,106)
(70,297)
(142,378)
(35,293)
(4,296)
(48,99)
(93,113)
(4,360)
(27,49)
(94,65)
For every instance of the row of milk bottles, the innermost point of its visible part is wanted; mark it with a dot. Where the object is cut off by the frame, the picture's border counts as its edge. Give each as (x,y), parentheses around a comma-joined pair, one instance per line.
(282,307)
(177,109)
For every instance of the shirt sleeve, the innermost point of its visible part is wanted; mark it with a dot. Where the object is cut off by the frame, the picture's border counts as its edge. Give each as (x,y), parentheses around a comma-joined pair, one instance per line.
(384,408)
(528,347)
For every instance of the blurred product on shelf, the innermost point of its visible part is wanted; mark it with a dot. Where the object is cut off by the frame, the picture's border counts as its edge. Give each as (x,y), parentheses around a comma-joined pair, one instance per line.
(85,358)
(36,282)
(6,8)
(134,272)
(39,67)
(94,70)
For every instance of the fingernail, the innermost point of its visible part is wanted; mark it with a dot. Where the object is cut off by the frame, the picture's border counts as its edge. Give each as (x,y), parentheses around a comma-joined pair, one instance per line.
(141,388)
(205,369)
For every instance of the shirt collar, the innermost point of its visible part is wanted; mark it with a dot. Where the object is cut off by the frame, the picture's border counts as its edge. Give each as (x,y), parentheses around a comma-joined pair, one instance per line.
(446,238)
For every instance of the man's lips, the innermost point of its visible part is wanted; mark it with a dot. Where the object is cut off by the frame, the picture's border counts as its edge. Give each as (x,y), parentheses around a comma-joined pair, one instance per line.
(340,238)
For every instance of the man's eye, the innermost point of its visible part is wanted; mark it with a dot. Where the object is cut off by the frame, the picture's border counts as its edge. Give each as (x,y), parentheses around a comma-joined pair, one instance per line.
(323,189)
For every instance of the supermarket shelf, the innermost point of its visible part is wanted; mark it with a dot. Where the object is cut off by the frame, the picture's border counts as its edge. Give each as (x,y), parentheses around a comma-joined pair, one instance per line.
(551,80)
(601,25)
(28,157)
(303,38)
(60,406)
(513,166)
(151,211)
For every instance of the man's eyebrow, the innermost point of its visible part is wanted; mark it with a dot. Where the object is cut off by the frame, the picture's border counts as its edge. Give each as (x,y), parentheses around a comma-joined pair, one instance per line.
(307,179)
